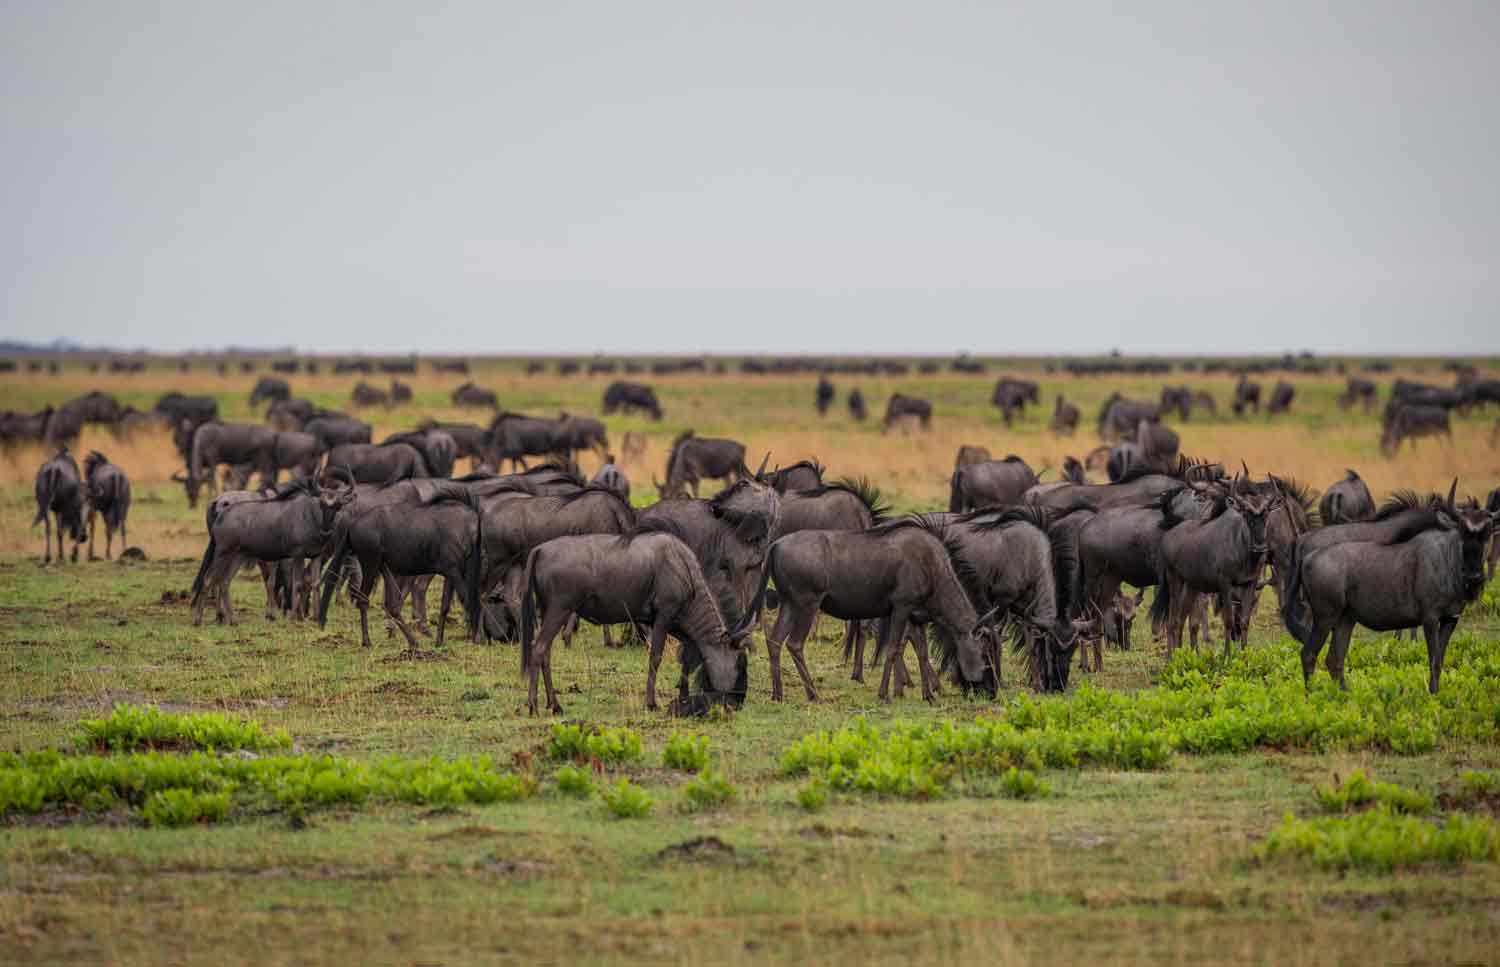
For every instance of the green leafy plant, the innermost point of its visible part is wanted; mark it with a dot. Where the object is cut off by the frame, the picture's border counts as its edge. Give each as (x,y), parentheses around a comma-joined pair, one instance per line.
(813,796)
(1358,790)
(708,790)
(580,743)
(686,753)
(131,727)
(1382,840)
(626,800)
(574,782)
(184,807)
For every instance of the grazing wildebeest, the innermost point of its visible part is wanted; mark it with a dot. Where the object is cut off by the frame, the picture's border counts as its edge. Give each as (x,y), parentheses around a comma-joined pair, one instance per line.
(611,477)
(900,409)
(1223,555)
(1179,398)
(996,483)
(1011,396)
(897,572)
(576,433)
(1358,390)
(1065,417)
(436,528)
(470,395)
(193,410)
(400,392)
(366,395)
(459,366)
(1204,400)
(59,492)
(292,524)
(694,457)
(68,420)
(438,448)
(19,429)
(269,389)
(1119,417)
(469,440)
(1246,396)
(1408,421)
(107,489)
(623,396)
(802,475)
(857,409)
(372,463)
(1282,395)
(969,455)
(214,444)
(1425,581)
(515,436)
(1481,392)
(825,395)
(1423,394)
(290,414)
(133,422)
(332,431)
(1346,502)
(648,576)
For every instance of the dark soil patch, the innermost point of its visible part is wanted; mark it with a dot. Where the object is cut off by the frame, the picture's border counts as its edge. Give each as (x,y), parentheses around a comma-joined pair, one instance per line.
(697,848)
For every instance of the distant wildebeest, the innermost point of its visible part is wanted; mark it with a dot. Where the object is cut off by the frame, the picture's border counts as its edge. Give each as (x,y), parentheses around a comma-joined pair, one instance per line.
(438,448)
(366,395)
(693,458)
(898,572)
(802,475)
(900,409)
(1362,391)
(193,410)
(626,397)
(611,477)
(1179,398)
(1424,394)
(575,433)
(215,444)
(1282,395)
(19,429)
(1204,400)
(1246,396)
(68,420)
(1481,392)
(1425,581)
(470,440)
(1224,555)
(459,366)
(59,492)
(269,389)
(335,430)
(1119,417)
(825,395)
(371,463)
(857,409)
(633,446)
(1346,502)
(568,367)
(400,392)
(1409,421)
(470,395)
(1065,417)
(998,483)
(107,490)
(1010,396)
(969,455)
(1159,444)
(647,577)
(133,422)
(515,436)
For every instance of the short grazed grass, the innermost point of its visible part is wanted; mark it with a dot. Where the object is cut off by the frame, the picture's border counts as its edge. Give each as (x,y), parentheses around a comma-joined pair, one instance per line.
(1128,821)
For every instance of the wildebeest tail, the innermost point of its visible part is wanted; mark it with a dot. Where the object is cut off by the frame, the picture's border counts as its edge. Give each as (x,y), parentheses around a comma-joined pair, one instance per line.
(1162,602)
(331,577)
(46,489)
(752,614)
(1290,613)
(528,608)
(208,556)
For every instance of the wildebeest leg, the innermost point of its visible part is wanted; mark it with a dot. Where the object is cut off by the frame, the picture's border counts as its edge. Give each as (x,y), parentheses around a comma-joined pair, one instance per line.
(792,624)
(1340,647)
(419,587)
(541,659)
(395,614)
(893,643)
(569,629)
(294,593)
(854,644)
(368,574)
(1310,649)
(795,645)
(1436,648)
(268,579)
(47,538)
(442,609)
(918,636)
(653,662)
(93,526)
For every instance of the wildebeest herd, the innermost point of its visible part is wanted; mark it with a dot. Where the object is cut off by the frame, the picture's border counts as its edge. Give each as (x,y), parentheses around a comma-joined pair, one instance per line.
(1014,559)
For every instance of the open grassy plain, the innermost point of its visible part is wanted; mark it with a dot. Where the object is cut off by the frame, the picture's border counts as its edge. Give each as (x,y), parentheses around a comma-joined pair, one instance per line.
(1157,832)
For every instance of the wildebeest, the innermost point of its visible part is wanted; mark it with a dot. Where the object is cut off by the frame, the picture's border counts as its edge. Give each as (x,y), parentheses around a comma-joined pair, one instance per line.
(623,396)
(1010,396)
(107,490)
(1065,417)
(68,420)
(269,389)
(470,440)
(992,484)
(470,395)
(857,410)
(969,455)
(1408,421)
(648,576)
(1348,501)
(515,436)
(366,395)
(825,395)
(459,366)
(214,444)
(294,524)
(1179,398)
(897,572)
(1423,394)
(335,430)
(1425,581)
(133,422)
(802,475)
(1282,395)
(576,433)
(290,414)
(1362,391)
(901,408)
(694,458)
(400,392)
(439,533)
(1119,417)
(194,410)
(438,449)
(18,429)
(59,492)
(611,477)
(371,463)
(1223,555)
(1246,396)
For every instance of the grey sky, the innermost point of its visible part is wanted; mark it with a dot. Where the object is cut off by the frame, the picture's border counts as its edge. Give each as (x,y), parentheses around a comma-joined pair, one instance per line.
(813,177)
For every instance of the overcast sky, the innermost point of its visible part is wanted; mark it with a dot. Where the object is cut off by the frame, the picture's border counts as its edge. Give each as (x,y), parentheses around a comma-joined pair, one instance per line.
(792,177)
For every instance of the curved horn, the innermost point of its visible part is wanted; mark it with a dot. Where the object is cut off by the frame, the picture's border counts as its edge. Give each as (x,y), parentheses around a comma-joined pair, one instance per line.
(340,473)
(1452,492)
(759,473)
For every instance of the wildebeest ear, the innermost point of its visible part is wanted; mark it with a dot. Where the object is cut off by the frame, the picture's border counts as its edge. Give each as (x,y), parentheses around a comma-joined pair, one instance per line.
(1493,503)
(1446,520)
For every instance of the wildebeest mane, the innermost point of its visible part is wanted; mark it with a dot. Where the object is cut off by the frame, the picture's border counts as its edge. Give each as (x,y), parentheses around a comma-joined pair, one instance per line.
(1403,500)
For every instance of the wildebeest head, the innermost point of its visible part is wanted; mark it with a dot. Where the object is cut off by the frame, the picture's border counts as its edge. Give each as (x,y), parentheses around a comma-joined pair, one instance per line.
(1473,525)
(1253,508)
(331,500)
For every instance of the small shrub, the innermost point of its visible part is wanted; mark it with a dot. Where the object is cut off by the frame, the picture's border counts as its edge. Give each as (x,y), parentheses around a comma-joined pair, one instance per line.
(1381,839)
(708,790)
(686,753)
(579,743)
(131,727)
(813,796)
(1023,784)
(184,807)
(626,800)
(1473,787)
(574,782)
(1358,790)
